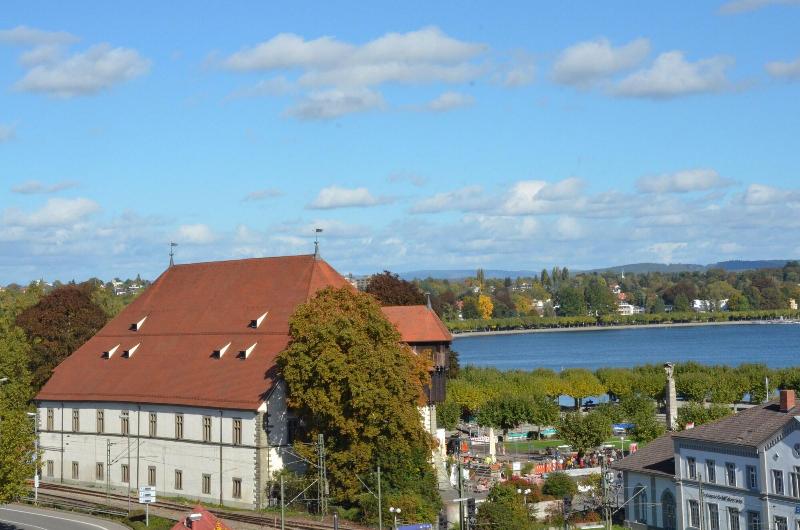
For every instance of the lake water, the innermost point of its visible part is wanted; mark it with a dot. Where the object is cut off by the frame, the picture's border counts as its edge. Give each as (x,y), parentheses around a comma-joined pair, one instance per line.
(776,345)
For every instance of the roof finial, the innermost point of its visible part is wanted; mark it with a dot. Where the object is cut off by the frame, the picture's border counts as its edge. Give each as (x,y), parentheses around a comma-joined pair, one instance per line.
(172,246)
(317,232)
(428,296)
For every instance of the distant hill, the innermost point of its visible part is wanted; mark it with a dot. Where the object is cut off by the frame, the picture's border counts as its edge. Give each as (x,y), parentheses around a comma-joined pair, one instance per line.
(636,268)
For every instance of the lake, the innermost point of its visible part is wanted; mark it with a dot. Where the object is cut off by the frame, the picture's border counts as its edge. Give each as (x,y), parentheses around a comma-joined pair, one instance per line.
(776,345)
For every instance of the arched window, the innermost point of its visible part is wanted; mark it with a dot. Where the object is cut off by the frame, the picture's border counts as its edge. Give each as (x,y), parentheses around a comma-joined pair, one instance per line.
(640,504)
(668,510)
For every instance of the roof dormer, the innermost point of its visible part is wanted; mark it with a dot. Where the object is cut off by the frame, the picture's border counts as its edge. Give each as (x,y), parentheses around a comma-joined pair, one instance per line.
(257,322)
(136,326)
(217,354)
(127,354)
(110,352)
(244,354)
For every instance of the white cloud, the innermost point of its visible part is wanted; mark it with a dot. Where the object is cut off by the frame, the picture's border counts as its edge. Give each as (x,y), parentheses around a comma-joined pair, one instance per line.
(568,228)
(520,72)
(672,76)
(666,251)
(26,36)
(466,199)
(784,70)
(337,197)
(260,195)
(199,234)
(742,6)
(449,101)
(334,103)
(585,63)
(98,68)
(34,186)
(682,181)
(529,197)
(274,86)
(762,195)
(338,70)
(55,212)
(7,132)
(411,178)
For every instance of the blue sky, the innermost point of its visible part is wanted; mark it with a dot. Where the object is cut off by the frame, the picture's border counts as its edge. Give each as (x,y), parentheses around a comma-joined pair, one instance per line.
(417,135)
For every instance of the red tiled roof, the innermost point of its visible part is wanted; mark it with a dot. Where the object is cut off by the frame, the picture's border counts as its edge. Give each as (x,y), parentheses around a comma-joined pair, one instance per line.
(193,310)
(417,323)
(208,521)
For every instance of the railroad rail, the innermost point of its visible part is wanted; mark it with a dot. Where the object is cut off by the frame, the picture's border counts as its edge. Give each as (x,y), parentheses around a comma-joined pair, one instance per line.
(252,518)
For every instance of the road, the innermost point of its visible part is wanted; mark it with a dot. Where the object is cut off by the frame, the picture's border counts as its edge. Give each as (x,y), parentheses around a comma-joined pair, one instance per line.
(23,517)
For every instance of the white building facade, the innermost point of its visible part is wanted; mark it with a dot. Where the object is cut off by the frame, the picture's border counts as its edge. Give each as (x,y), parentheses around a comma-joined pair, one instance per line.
(739,473)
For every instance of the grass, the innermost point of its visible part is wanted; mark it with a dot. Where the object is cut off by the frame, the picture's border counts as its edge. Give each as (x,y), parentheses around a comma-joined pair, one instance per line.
(525,446)
(156,523)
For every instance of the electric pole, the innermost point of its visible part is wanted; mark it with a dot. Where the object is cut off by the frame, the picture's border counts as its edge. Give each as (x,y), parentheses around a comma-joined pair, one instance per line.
(108,471)
(283,527)
(380,501)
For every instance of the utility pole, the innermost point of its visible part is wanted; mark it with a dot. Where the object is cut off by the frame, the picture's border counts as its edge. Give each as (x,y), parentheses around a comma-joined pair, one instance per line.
(108,471)
(128,436)
(460,493)
(380,501)
(700,503)
(282,506)
(321,478)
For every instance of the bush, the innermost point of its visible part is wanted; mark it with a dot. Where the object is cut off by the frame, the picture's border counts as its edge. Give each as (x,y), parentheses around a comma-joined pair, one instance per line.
(559,485)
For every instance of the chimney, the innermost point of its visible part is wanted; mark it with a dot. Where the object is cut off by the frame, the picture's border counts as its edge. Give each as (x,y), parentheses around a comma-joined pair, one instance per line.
(787,400)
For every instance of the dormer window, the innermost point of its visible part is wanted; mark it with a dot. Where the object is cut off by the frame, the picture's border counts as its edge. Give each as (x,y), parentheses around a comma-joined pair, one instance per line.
(130,351)
(110,352)
(217,354)
(257,322)
(244,354)
(136,326)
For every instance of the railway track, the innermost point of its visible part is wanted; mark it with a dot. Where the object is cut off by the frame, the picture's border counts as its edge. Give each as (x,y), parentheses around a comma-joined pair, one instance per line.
(66,491)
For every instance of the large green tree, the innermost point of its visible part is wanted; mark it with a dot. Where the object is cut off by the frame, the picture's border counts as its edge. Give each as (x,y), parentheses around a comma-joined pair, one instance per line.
(350,378)
(390,289)
(503,509)
(57,325)
(584,431)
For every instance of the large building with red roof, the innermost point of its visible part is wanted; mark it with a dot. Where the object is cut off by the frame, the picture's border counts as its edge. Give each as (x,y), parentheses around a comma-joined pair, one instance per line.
(174,391)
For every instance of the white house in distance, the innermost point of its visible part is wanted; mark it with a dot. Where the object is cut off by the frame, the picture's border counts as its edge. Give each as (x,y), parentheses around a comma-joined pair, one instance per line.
(739,473)
(173,392)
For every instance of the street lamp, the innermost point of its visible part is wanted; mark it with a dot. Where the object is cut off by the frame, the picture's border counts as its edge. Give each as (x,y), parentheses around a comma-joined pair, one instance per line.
(35,417)
(524,493)
(395,512)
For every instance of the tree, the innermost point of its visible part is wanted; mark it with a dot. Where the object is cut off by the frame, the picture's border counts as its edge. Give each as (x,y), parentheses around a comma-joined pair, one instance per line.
(580,383)
(503,509)
(350,378)
(16,429)
(505,412)
(559,485)
(470,308)
(448,414)
(681,304)
(584,432)
(58,325)
(390,289)
(658,306)
(599,299)
(738,302)
(571,301)
(485,307)
(698,414)
(694,386)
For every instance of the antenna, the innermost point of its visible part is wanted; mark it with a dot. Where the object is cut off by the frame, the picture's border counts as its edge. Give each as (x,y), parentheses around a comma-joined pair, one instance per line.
(172,246)
(317,232)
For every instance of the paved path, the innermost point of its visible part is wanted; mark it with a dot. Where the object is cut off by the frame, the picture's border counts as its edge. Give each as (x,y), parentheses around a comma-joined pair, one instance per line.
(23,517)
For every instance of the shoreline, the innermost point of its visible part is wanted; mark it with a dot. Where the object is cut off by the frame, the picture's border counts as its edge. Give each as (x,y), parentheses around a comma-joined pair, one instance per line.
(464,334)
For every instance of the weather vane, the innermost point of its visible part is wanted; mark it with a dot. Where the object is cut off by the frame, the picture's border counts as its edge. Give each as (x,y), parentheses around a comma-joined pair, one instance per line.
(317,232)
(172,246)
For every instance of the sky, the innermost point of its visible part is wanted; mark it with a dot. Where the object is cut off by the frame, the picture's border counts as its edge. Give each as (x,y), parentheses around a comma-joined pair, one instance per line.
(416,135)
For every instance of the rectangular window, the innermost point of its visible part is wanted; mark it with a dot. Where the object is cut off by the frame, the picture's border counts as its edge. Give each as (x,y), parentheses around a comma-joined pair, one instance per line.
(730,473)
(125,424)
(101,422)
(50,420)
(237,489)
(207,484)
(733,519)
(151,475)
(50,468)
(178,479)
(713,517)
(179,426)
(76,420)
(206,428)
(691,464)
(153,425)
(99,472)
(694,514)
(794,478)
(752,478)
(237,431)
(75,470)
(711,471)
(777,481)
(126,473)
(781,523)
(754,521)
